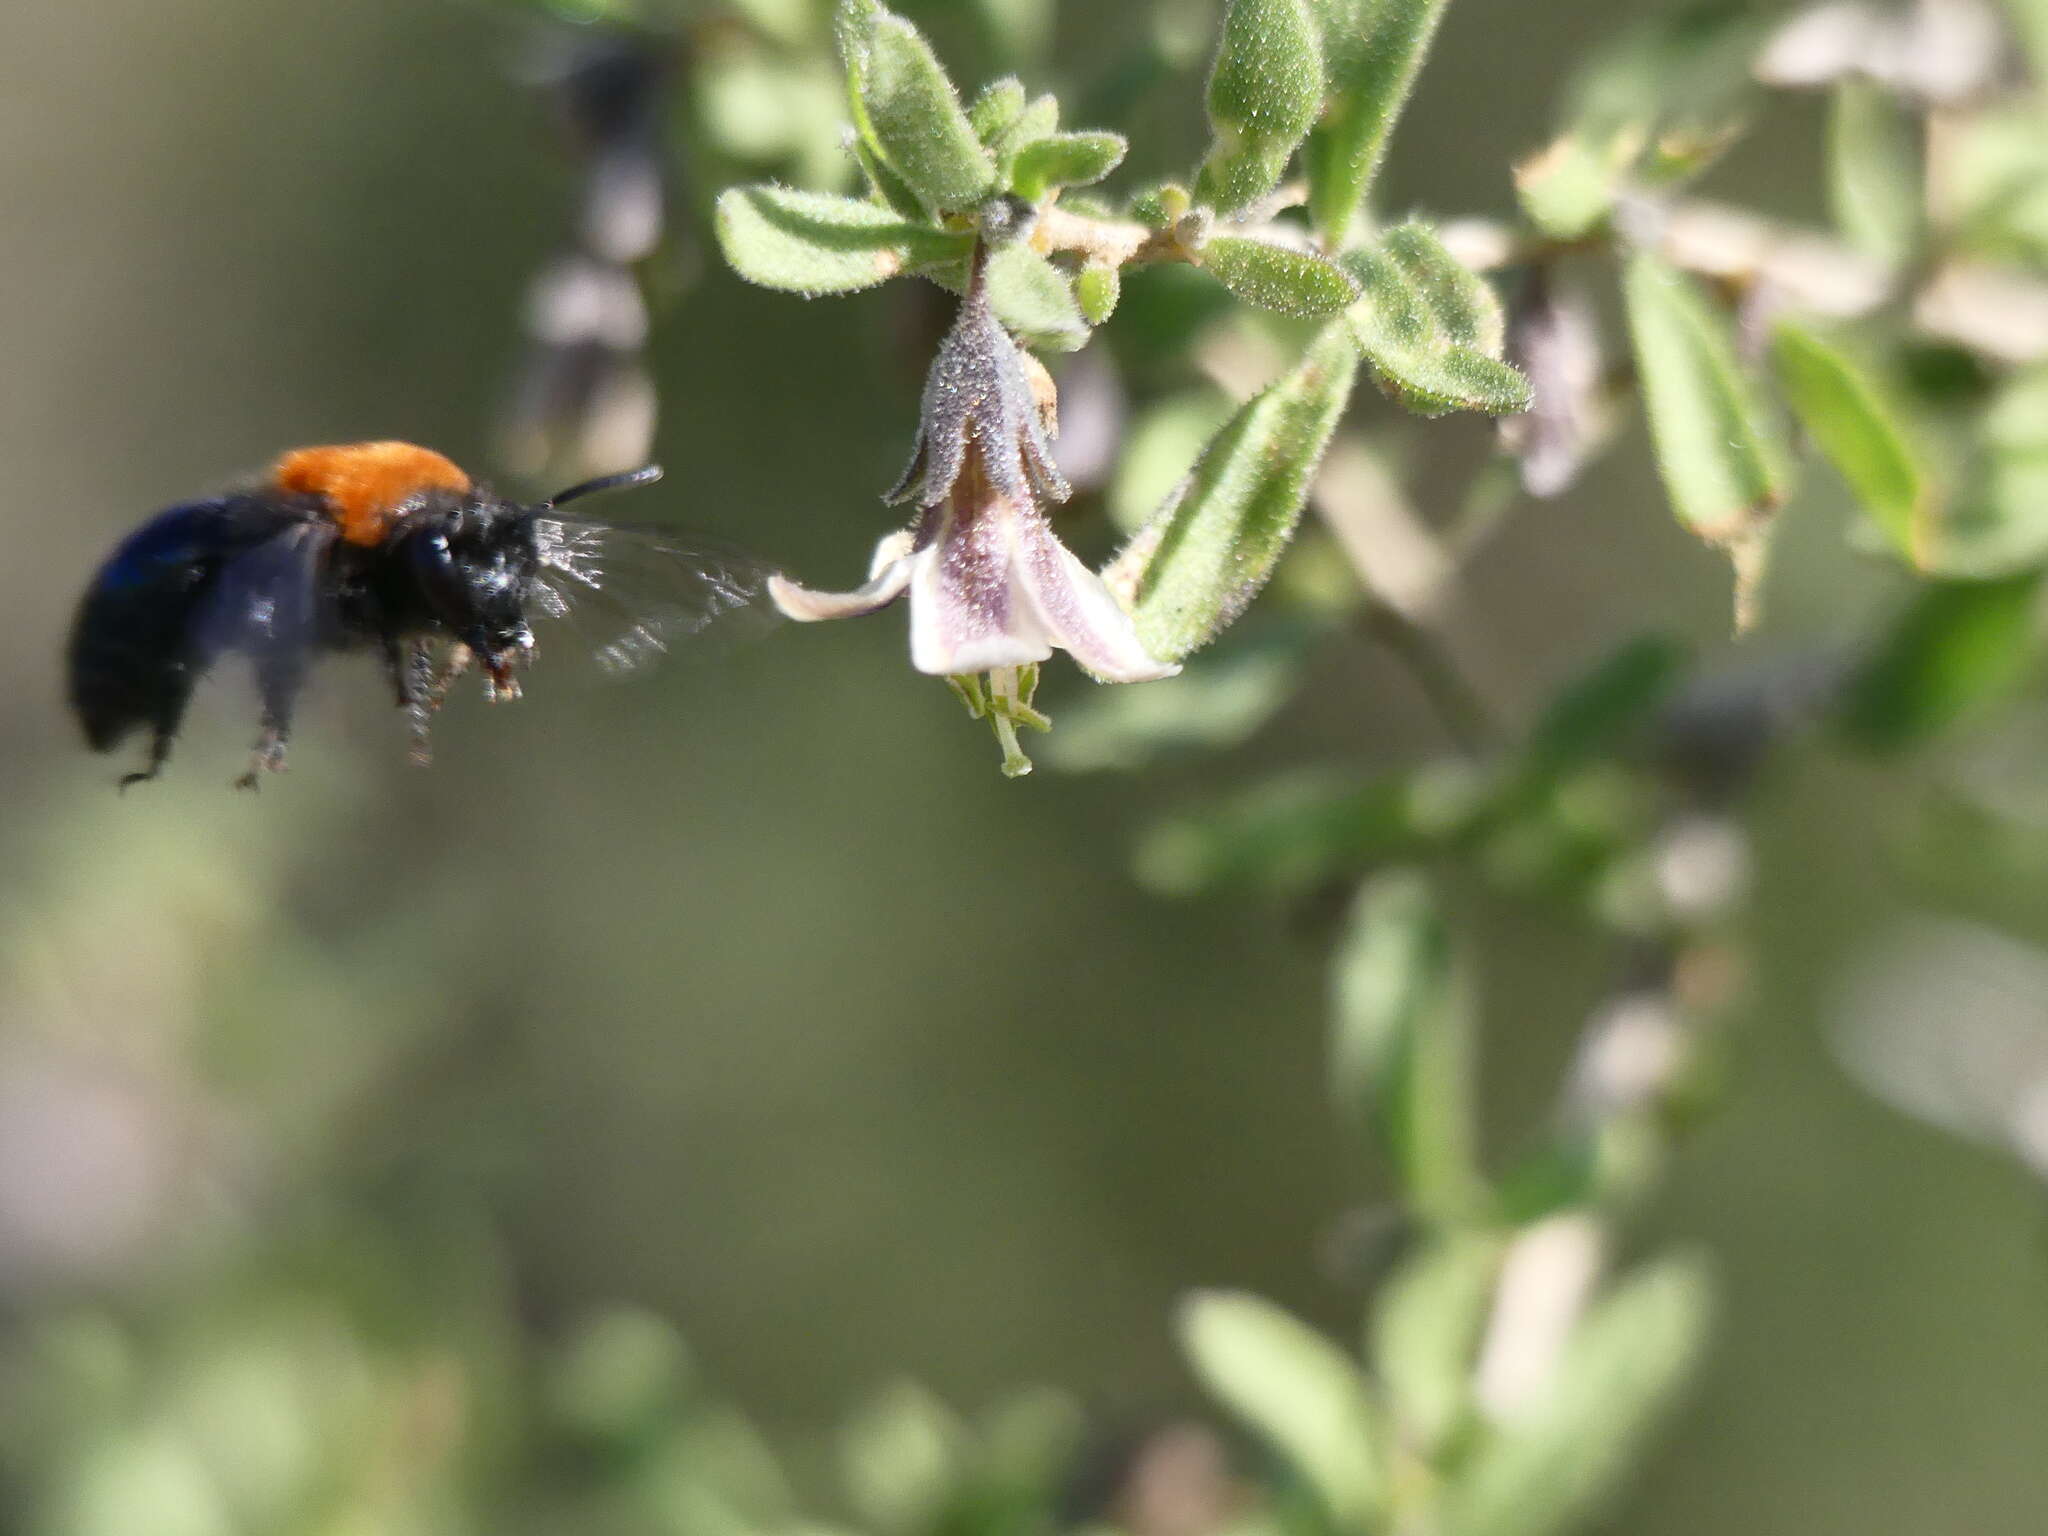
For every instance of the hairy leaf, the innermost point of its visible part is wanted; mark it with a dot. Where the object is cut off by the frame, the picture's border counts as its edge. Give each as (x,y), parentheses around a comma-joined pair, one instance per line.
(1264,92)
(815,243)
(1372,52)
(1274,277)
(905,107)
(1431,327)
(1064,160)
(1207,553)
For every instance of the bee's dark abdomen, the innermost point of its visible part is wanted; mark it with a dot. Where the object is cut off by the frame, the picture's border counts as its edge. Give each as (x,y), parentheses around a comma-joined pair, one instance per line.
(137,645)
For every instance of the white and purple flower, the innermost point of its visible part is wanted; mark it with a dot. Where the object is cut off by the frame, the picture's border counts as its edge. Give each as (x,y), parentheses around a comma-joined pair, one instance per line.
(992,589)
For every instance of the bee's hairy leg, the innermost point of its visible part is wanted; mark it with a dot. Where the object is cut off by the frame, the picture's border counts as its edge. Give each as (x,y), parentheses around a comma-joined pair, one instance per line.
(429,687)
(278,680)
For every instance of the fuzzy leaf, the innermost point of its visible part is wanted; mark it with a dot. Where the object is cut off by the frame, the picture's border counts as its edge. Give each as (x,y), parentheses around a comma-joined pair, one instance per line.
(1298,1392)
(996,110)
(905,107)
(1426,1325)
(1431,327)
(1273,277)
(1372,52)
(1264,92)
(1402,1052)
(1873,173)
(1035,299)
(816,243)
(1552,1468)
(1855,429)
(1097,288)
(1064,160)
(1210,549)
(1958,645)
(1718,448)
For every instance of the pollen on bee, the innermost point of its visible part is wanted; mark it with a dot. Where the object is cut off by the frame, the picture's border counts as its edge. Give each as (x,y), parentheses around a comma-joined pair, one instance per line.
(364,484)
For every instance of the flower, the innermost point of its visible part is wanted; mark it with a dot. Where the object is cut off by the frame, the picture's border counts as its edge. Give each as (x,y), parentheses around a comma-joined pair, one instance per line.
(992,589)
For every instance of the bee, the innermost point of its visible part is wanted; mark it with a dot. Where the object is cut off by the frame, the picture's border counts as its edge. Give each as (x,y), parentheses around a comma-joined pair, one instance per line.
(383,547)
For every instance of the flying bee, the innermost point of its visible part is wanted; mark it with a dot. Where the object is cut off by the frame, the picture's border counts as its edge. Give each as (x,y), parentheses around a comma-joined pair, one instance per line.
(384,547)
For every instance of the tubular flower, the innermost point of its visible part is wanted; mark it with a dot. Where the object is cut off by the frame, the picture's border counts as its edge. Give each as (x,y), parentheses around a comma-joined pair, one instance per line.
(992,589)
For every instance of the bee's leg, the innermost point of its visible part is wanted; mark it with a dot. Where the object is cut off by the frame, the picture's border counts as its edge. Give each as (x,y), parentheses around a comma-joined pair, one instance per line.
(170,714)
(430,685)
(278,679)
(159,753)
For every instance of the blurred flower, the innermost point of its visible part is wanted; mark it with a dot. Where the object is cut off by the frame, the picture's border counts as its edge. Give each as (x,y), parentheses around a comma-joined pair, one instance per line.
(583,400)
(992,589)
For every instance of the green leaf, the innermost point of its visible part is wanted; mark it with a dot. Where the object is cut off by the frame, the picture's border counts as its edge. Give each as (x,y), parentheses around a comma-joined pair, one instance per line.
(906,110)
(1718,449)
(2001,527)
(1568,189)
(1426,1326)
(1553,1467)
(1298,1392)
(1274,277)
(1431,327)
(1264,92)
(1403,1048)
(996,110)
(1304,831)
(1874,172)
(1035,298)
(1210,549)
(1372,52)
(815,243)
(1097,288)
(1958,645)
(1857,432)
(1064,160)
(1218,701)
(1465,309)
(1594,715)
(900,1458)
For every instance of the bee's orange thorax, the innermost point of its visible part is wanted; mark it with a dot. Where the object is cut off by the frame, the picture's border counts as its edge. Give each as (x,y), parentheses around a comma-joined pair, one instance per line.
(365,484)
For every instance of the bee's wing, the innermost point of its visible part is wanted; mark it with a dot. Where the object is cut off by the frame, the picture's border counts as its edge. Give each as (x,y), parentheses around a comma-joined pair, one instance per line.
(630,591)
(267,602)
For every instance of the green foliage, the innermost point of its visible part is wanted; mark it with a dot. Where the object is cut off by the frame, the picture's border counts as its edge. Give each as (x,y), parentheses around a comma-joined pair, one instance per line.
(1560,1458)
(1211,548)
(1064,160)
(1718,449)
(906,111)
(815,243)
(1958,645)
(1265,89)
(1873,176)
(1860,434)
(1373,50)
(1289,282)
(1403,1056)
(1298,1392)
(1431,329)
(1427,1321)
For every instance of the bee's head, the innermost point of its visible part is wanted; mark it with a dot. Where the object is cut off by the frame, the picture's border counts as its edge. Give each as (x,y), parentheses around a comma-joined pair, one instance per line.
(473,560)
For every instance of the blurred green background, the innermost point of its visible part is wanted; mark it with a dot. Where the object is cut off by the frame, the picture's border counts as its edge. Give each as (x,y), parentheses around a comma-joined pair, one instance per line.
(748,993)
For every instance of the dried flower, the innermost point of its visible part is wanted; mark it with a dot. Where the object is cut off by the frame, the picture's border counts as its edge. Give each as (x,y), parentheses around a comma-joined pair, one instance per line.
(992,589)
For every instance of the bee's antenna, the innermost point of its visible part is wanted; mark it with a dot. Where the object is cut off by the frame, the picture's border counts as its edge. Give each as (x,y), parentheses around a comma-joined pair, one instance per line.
(647,474)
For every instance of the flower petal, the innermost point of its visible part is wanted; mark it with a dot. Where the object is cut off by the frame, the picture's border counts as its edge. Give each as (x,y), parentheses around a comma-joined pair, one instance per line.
(966,614)
(888,575)
(1078,611)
